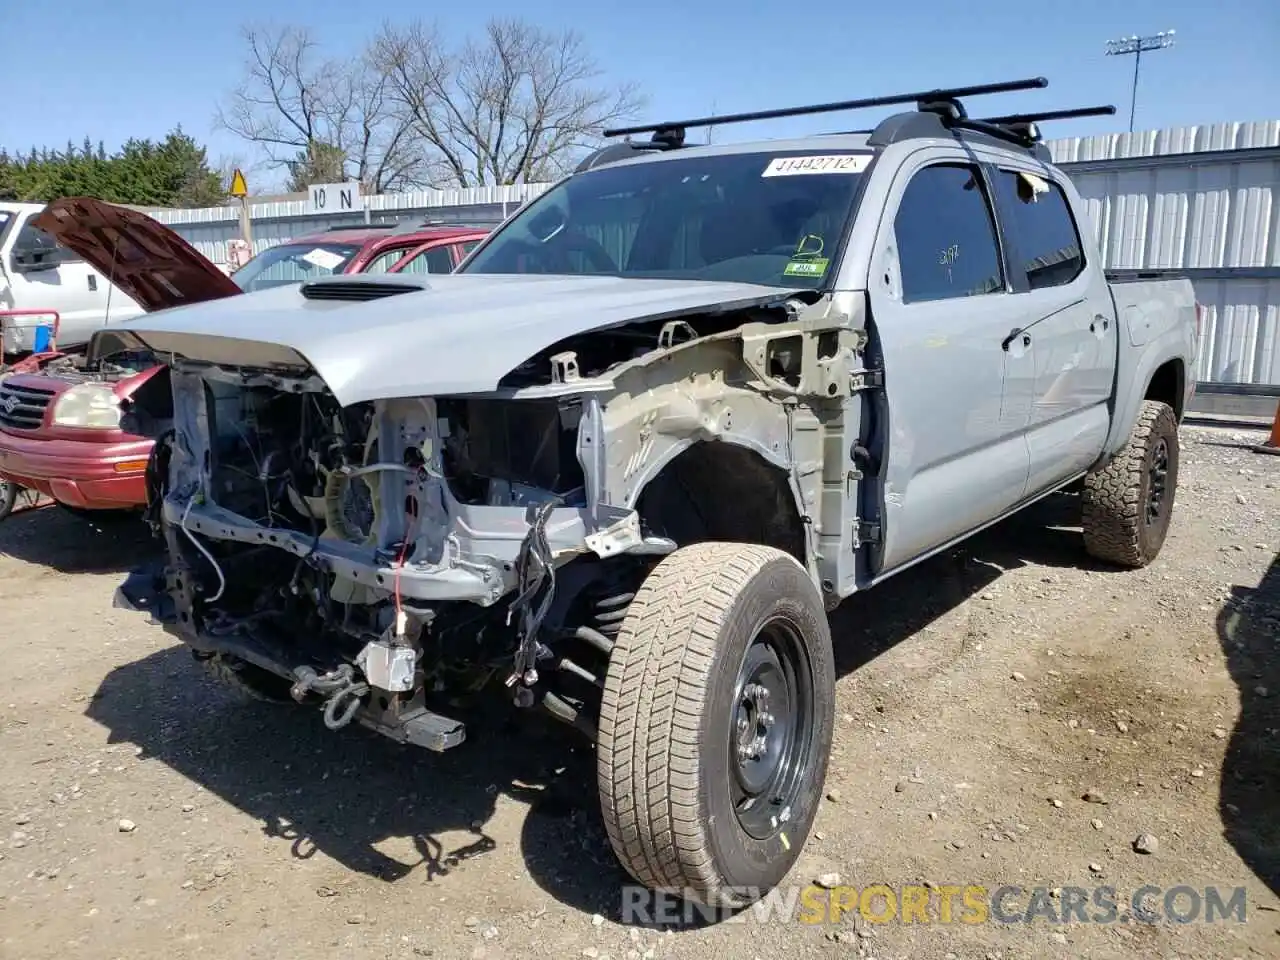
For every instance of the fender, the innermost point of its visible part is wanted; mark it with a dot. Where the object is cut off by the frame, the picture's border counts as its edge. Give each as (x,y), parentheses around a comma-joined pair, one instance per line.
(1143,350)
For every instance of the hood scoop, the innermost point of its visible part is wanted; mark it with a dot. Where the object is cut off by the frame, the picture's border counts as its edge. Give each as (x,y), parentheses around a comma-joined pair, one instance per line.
(355,288)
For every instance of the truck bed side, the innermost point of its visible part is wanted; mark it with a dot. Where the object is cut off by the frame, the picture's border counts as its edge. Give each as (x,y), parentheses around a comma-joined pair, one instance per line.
(1157,343)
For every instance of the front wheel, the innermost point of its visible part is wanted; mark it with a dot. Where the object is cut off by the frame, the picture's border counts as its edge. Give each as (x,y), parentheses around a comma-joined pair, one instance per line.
(716,723)
(1127,504)
(8,497)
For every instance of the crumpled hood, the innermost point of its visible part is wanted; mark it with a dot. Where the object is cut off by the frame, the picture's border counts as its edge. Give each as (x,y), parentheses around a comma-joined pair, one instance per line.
(460,334)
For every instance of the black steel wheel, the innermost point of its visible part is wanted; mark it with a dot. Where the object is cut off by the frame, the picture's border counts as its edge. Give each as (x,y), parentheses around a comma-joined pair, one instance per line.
(716,723)
(772,733)
(1157,482)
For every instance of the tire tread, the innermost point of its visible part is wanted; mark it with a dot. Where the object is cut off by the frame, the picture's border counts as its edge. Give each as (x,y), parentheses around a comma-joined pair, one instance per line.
(1111,501)
(648,769)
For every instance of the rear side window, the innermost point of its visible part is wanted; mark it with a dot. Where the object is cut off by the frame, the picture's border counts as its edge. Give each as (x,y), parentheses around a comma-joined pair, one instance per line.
(946,236)
(435,260)
(385,261)
(1048,244)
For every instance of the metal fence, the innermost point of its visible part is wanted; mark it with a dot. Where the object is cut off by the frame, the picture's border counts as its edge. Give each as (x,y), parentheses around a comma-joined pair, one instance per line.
(1200,201)
(209,228)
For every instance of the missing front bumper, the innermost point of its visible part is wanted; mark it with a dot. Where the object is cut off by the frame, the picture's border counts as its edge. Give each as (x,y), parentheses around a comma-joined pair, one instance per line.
(412,722)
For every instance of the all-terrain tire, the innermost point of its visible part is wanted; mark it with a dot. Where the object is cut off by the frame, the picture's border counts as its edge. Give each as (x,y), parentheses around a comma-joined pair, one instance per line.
(1121,526)
(665,755)
(246,679)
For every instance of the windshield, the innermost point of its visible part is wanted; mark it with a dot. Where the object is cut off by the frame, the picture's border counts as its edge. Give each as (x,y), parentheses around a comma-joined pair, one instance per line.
(293,263)
(765,218)
(5,217)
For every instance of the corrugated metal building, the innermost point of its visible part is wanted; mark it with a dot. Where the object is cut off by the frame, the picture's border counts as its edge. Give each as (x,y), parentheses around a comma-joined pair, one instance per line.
(1195,201)
(1198,202)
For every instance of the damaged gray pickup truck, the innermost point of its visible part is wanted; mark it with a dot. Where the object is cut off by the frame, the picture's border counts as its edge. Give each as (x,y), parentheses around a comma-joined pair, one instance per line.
(621,464)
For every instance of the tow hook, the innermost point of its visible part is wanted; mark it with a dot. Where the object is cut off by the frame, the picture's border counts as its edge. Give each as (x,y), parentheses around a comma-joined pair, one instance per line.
(340,688)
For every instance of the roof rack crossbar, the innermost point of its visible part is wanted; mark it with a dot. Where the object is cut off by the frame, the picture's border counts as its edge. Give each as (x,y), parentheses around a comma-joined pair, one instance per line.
(674,130)
(1021,129)
(1014,119)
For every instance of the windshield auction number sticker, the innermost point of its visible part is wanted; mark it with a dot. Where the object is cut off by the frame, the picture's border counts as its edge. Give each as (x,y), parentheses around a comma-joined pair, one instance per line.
(802,166)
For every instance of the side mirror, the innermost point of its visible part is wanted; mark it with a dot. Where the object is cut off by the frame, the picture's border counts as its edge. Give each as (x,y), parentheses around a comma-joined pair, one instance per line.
(34,258)
(36,250)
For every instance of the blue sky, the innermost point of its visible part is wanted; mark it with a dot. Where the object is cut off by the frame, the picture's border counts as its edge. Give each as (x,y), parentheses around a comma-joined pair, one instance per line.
(111,70)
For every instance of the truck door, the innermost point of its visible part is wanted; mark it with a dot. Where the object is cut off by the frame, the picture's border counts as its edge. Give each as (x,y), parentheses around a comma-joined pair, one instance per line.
(1069,317)
(957,375)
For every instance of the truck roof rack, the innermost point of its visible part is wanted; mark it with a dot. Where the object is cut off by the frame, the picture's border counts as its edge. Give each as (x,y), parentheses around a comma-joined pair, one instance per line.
(671,134)
(938,113)
(1026,125)
(939,120)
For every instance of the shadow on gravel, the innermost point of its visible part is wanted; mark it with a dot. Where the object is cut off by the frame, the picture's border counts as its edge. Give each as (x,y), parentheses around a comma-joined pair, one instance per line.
(868,624)
(1249,628)
(71,543)
(346,793)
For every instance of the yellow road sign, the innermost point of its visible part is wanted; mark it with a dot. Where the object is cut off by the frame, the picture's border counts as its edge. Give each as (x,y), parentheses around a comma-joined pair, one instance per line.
(238,187)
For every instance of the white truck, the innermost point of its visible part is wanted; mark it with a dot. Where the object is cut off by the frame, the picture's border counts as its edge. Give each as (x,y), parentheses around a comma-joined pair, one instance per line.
(40,280)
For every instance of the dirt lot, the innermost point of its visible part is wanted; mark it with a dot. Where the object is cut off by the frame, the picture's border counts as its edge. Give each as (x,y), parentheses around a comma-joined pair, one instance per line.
(146,813)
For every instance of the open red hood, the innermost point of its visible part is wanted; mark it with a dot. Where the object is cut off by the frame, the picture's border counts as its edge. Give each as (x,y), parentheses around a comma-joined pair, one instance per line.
(145,259)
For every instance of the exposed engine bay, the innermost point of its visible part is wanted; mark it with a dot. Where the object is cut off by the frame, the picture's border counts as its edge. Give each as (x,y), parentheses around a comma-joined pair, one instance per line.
(74,366)
(386,556)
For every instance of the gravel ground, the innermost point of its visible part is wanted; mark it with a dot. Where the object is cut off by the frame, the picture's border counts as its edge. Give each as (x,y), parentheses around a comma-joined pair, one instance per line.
(1008,714)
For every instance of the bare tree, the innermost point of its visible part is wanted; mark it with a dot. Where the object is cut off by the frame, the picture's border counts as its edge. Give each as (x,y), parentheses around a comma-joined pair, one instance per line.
(254,172)
(298,106)
(519,105)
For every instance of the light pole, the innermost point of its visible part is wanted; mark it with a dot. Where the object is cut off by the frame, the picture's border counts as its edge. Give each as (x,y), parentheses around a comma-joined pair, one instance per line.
(1135,46)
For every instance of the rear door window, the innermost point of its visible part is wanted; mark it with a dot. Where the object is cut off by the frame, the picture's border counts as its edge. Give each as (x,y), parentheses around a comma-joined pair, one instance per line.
(386,260)
(434,260)
(1046,241)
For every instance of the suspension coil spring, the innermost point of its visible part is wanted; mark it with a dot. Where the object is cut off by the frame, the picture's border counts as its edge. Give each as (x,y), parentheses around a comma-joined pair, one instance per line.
(610,612)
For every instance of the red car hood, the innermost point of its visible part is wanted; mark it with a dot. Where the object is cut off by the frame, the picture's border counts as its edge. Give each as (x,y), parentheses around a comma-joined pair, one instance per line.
(146,260)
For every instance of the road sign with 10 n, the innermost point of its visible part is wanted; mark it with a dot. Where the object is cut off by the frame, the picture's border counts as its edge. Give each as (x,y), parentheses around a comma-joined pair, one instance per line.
(336,197)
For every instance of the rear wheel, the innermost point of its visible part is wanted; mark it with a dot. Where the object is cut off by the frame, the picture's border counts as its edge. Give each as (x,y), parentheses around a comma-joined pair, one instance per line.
(1127,505)
(716,723)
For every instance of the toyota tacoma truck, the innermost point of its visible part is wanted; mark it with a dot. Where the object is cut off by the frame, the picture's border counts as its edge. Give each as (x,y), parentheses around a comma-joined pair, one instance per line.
(621,464)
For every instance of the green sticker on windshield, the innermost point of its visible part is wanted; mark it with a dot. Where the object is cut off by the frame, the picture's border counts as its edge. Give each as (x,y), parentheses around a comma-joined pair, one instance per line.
(806,267)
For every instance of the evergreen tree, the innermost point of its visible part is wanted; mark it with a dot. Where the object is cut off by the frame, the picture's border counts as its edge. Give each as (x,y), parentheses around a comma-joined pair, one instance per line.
(173,172)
